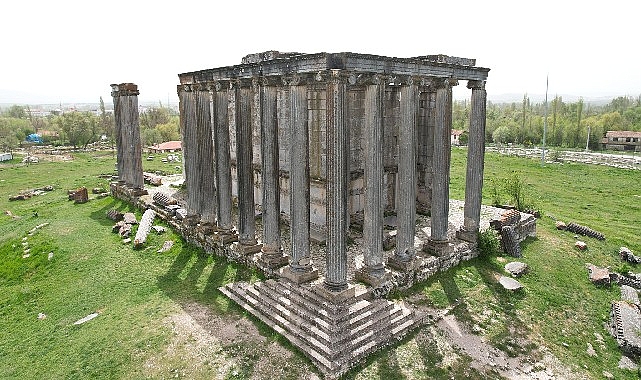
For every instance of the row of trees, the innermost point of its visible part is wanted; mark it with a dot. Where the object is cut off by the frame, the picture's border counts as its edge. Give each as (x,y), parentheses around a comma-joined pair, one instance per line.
(79,129)
(568,124)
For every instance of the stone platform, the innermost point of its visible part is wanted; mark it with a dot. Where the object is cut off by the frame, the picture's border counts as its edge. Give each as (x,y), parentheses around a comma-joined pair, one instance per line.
(334,334)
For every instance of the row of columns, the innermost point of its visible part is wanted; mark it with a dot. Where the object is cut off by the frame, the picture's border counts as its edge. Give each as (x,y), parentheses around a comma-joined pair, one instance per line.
(127,134)
(300,268)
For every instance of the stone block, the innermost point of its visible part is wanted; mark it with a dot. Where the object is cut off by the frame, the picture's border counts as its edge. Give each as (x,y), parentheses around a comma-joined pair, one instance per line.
(298,277)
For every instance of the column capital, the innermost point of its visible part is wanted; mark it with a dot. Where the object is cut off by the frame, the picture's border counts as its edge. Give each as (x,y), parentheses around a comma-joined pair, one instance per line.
(476,84)
(215,86)
(445,82)
(124,89)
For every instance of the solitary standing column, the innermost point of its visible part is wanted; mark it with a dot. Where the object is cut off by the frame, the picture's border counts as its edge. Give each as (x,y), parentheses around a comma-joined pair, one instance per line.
(475,159)
(406,205)
(441,164)
(300,266)
(337,177)
(206,189)
(128,144)
(373,272)
(223,166)
(272,255)
(244,169)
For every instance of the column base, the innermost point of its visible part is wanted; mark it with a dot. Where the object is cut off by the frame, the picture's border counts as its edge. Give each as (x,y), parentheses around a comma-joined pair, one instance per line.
(438,247)
(298,277)
(401,264)
(468,236)
(137,192)
(372,278)
(246,249)
(272,260)
(208,228)
(335,297)
(226,237)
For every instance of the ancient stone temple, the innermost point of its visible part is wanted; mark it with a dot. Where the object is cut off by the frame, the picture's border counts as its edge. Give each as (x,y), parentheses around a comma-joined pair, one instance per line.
(314,143)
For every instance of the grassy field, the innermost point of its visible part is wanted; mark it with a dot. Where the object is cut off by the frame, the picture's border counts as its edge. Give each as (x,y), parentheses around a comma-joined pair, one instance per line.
(161,315)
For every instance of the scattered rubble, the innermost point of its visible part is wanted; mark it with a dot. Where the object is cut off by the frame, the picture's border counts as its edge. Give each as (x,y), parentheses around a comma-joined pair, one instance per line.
(516,268)
(129,218)
(42,316)
(98,190)
(79,195)
(152,179)
(581,245)
(583,230)
(26,194)
(509,283)
(560,225)
(626,255)
(598,275)
(159,229)
(115,215)
(627,363)
(144,228)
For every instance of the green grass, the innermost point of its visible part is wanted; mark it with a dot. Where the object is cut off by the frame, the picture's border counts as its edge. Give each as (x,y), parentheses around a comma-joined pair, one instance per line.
(138,292)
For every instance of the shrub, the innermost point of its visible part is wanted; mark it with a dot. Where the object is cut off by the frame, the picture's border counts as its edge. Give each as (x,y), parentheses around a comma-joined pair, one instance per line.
(489,243)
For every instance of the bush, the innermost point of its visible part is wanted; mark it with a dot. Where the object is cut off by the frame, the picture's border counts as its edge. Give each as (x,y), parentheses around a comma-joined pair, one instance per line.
(489,244)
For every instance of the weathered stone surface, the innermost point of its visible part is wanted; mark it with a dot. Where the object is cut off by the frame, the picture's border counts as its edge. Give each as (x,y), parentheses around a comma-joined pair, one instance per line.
(626,255)
(115,215)
(129,218)
(510,242)
(627,363)
(560,225)
(597,275)
(144,228)
(516,268)
(629,294)
(509,283)
(625,327)
(581,245)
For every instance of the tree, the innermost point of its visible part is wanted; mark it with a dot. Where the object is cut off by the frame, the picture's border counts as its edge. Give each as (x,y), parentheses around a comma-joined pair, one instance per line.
(107,125)
(80,128)
(12,132)
(16,112)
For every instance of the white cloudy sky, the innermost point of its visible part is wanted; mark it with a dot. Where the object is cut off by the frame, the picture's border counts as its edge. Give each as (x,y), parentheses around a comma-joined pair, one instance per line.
(70,51)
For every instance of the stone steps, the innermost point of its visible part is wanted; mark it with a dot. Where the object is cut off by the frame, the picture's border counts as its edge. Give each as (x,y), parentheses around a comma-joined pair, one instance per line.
(335,336)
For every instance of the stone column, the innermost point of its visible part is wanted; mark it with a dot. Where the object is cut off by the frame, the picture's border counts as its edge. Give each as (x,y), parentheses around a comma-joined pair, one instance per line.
(373,271)
(271,252)
(406,204)
(337,177)
(223,166)
(244,167)
(189,136)
(128,143)
(441,163)
(300,266)
(205,190)
(426,141)
(475,160)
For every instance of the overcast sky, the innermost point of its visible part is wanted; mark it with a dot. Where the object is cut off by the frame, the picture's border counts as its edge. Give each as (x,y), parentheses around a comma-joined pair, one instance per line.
(70,51)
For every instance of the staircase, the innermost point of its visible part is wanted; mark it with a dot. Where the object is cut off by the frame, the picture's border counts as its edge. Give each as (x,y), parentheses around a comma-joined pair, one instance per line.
(335,336)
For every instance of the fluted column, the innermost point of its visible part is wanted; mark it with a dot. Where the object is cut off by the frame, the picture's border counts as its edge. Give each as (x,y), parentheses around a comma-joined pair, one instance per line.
(223,167)
(373,181)
(127,129)
(475,160)
(441,161)
(188,131)
(205,190)
(300,267)
(337,177)
(271,251)
(244,167)
(406,205)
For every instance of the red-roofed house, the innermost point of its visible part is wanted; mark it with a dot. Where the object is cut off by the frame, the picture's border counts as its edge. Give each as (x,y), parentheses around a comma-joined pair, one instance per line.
(622,140)
(456,136)
(169,146)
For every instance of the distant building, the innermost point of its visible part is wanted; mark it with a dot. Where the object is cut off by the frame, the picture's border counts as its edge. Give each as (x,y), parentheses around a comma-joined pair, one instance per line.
(622,140)
(169,146)
(456,136)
